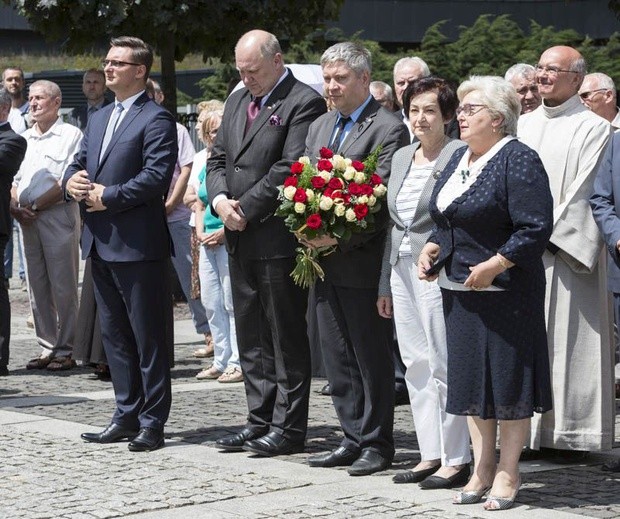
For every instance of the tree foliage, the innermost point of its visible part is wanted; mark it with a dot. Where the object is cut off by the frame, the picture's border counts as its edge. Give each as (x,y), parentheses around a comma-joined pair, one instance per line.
(173,27)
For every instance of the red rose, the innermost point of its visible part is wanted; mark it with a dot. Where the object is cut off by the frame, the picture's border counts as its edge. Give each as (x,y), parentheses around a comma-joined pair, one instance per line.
(375,180)
(366,189)
(324,165)
(300,195)
(355,189)
(290,181)
(317,182)
(328,192)
(326,153)
(357,165)
(335,183)
(346,199)
(361,210)
(297,168)
(314,221)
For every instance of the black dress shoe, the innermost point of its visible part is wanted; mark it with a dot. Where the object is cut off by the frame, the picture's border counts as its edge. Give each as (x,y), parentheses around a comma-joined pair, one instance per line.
(341,457)
(456,480)
(234,442)
(368,463)
(4,371)
(612,465)
(148,439)
(273,444)
(326,390)
(401,397)
(414,476)
(112,433)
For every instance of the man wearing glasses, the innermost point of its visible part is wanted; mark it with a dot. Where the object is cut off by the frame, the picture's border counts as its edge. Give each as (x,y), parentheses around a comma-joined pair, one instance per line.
(570,139)
(121,175)
(598,93)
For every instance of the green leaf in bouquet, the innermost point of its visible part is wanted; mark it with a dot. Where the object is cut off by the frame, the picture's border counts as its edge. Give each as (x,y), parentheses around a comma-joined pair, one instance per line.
(339,229)
(370,164)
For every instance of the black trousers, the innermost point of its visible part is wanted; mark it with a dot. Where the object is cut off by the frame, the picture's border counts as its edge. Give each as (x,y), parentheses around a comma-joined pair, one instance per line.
(135,313)
(358,354)
(5,313)
(270,320)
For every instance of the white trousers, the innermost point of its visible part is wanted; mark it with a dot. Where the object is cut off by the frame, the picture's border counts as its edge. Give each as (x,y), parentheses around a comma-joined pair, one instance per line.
(421,331)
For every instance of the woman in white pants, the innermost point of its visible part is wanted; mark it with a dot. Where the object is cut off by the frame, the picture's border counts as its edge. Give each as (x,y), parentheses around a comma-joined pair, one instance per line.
(416,305)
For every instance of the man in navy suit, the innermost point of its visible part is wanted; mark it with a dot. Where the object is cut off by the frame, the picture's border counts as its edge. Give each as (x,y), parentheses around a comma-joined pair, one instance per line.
(121,176)
(12,151)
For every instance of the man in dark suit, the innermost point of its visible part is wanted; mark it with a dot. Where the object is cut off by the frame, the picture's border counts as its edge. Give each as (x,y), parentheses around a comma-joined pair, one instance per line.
(93,86)
(122,174)
(262,133)
(356,342)
(12,151)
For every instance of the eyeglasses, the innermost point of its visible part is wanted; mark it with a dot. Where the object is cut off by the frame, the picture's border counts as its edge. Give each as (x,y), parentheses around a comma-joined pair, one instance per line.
(552,71)
(469,109)
(112,63)
(524,90)
(586,96)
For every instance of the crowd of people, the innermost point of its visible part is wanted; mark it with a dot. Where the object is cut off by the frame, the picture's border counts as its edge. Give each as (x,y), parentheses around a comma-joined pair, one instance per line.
(494,260)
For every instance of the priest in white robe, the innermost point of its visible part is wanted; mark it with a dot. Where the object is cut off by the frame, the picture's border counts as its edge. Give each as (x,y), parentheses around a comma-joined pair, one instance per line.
(570,141)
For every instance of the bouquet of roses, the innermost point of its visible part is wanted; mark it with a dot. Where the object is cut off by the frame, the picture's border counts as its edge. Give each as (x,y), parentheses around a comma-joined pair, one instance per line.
(335,198)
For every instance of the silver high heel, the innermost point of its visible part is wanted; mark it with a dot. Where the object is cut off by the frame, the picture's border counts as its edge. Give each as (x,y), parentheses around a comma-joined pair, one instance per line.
(501,503)
(470,497)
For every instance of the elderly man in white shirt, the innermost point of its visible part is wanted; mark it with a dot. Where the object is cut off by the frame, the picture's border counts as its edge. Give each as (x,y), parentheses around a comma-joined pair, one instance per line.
(50,227)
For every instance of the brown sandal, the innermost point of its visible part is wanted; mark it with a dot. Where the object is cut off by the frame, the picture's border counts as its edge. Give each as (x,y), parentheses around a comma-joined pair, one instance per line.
(38,363)
(61,364)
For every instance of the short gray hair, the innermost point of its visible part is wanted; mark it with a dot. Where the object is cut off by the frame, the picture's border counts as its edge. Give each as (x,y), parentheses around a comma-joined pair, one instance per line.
(579,66)
(383,86)
(5,98)
(499,96)
(603,80)
(49,87)
(524,70)
(415,61)
(353,55)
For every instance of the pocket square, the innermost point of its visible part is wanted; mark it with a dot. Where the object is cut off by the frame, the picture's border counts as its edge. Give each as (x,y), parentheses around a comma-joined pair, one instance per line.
(275,120)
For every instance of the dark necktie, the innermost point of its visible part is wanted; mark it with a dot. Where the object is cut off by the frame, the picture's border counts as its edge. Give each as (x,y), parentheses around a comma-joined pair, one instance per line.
(252,113)
(337,140)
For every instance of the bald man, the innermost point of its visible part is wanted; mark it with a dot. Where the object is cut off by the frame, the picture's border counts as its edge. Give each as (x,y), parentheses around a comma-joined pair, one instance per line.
(570,140)
(262,133)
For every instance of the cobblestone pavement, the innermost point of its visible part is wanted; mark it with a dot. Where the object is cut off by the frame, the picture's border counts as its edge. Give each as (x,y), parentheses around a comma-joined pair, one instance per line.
(46,471)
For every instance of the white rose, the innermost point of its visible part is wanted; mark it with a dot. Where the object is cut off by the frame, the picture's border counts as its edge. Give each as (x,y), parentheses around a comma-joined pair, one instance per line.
(326,203)
(339,210)
(371,200)
(304,160)
(300,208)
(348,162)
(325,175)
(349,214)
(349,173)
(362,199)
(379,190)
(310,195)
(338,162)
(359,177)
(289,192)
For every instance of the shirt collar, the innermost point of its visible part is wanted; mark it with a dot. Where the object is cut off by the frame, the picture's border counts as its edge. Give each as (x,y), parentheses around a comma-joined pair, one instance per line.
(358,111)
(127,103)
(53,130)
(268,94)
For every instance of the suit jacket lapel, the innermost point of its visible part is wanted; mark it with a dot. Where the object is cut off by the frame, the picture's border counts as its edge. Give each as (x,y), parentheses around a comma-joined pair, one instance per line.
(271,106)
(364,121)
(397,177)
(135,109)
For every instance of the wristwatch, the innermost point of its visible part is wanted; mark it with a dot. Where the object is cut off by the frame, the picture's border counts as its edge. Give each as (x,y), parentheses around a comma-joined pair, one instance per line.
(34,207)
